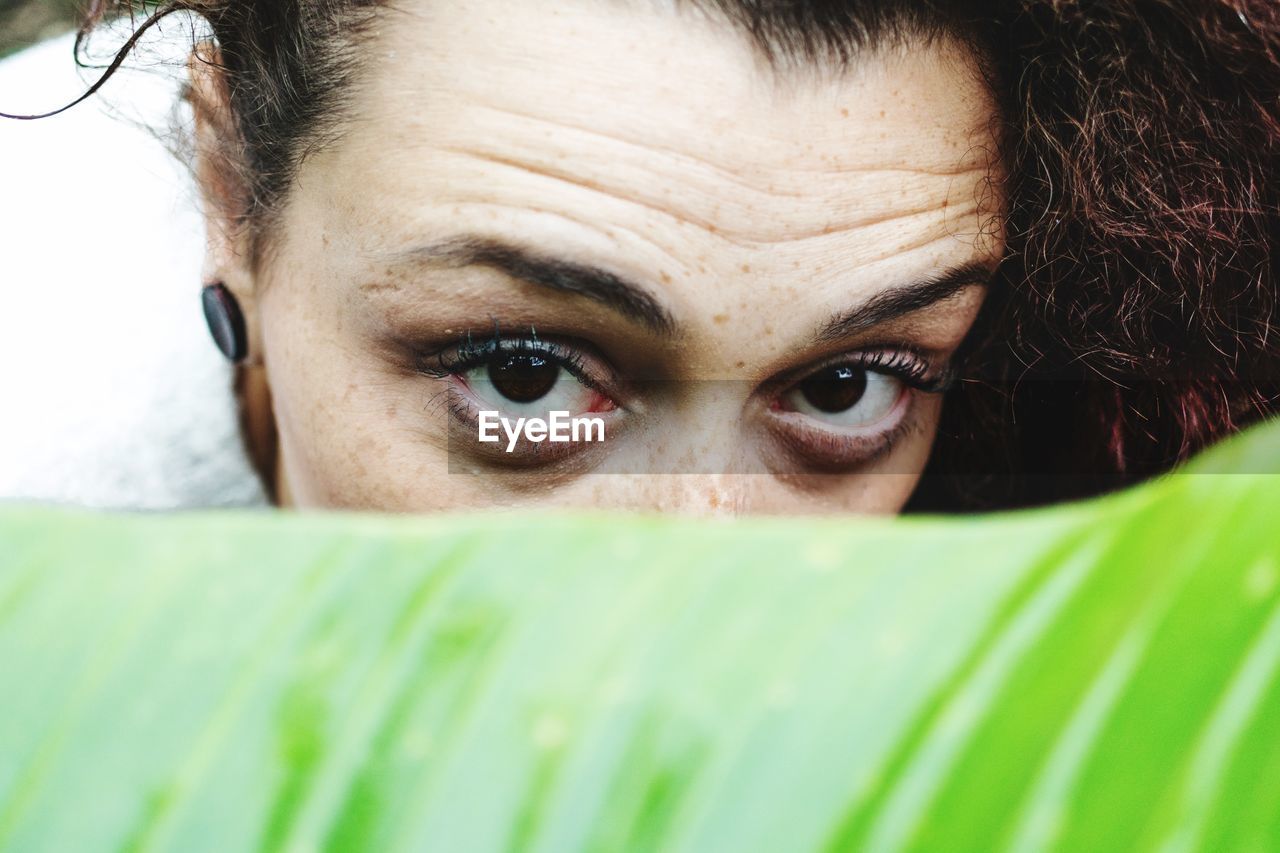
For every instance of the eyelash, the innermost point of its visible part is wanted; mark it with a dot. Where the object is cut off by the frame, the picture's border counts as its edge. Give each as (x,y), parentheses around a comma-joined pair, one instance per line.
(456,359)
(905,364)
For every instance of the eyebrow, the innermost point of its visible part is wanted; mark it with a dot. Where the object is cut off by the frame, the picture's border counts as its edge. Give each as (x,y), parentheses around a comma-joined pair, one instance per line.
(627,298)
(895,302)
(633,301)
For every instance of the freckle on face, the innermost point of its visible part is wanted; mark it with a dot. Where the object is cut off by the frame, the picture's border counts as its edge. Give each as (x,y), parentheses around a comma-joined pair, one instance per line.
(800,211)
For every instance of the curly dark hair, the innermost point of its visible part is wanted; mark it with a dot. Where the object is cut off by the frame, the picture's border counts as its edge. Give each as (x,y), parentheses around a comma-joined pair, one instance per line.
(1134,321)
(1131,321)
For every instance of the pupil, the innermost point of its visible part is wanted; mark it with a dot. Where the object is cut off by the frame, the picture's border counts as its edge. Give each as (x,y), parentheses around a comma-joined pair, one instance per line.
(835,389)
(523,378)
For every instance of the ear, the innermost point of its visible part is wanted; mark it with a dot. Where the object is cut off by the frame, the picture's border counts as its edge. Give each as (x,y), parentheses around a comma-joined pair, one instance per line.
(218,157)
(218,162)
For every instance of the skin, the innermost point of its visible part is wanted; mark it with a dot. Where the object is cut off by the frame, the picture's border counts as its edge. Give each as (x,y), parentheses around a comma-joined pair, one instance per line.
(753,207)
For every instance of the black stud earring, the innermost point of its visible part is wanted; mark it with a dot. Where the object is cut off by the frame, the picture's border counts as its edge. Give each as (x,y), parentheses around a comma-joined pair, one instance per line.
(226,321)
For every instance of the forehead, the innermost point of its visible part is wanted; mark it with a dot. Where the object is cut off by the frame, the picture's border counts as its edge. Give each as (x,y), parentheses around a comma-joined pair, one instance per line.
(659,129)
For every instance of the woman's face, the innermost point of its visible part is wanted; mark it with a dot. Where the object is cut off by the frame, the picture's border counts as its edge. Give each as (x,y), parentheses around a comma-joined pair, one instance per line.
(754,277)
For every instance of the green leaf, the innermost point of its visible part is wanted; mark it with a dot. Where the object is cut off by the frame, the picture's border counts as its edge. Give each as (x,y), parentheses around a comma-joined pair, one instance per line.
(1101,676)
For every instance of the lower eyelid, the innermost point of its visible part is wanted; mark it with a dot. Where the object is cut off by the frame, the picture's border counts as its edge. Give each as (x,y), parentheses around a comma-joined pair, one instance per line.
(463,413)
(815,446)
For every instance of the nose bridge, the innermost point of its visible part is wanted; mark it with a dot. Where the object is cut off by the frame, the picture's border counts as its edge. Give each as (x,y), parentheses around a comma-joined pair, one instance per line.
(697,460)
(698,495)
(704,432)
(715,495)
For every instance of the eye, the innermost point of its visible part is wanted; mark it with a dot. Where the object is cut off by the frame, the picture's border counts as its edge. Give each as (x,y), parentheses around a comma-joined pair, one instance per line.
(529,384)
(524,376)
(845,396)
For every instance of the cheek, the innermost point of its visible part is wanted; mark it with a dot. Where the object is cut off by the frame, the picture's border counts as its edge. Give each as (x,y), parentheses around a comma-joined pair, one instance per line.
(350,433)
(893,482)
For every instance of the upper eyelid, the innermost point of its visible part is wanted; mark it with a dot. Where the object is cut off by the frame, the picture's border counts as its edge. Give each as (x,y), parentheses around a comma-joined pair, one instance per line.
(566,356)
(863,358)
(569,355)
(470,349)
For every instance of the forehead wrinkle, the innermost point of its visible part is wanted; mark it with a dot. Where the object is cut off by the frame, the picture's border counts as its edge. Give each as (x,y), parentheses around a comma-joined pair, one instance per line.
(595,135)
(844,273)
(826,212)
(726,187)
(755,177)
(611,233)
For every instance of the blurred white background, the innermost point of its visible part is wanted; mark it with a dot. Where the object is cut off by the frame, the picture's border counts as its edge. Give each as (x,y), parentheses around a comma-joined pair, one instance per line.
(111,393)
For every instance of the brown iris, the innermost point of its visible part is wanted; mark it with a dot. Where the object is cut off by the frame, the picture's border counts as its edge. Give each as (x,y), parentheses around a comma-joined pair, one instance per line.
(523,378)
(835,389)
